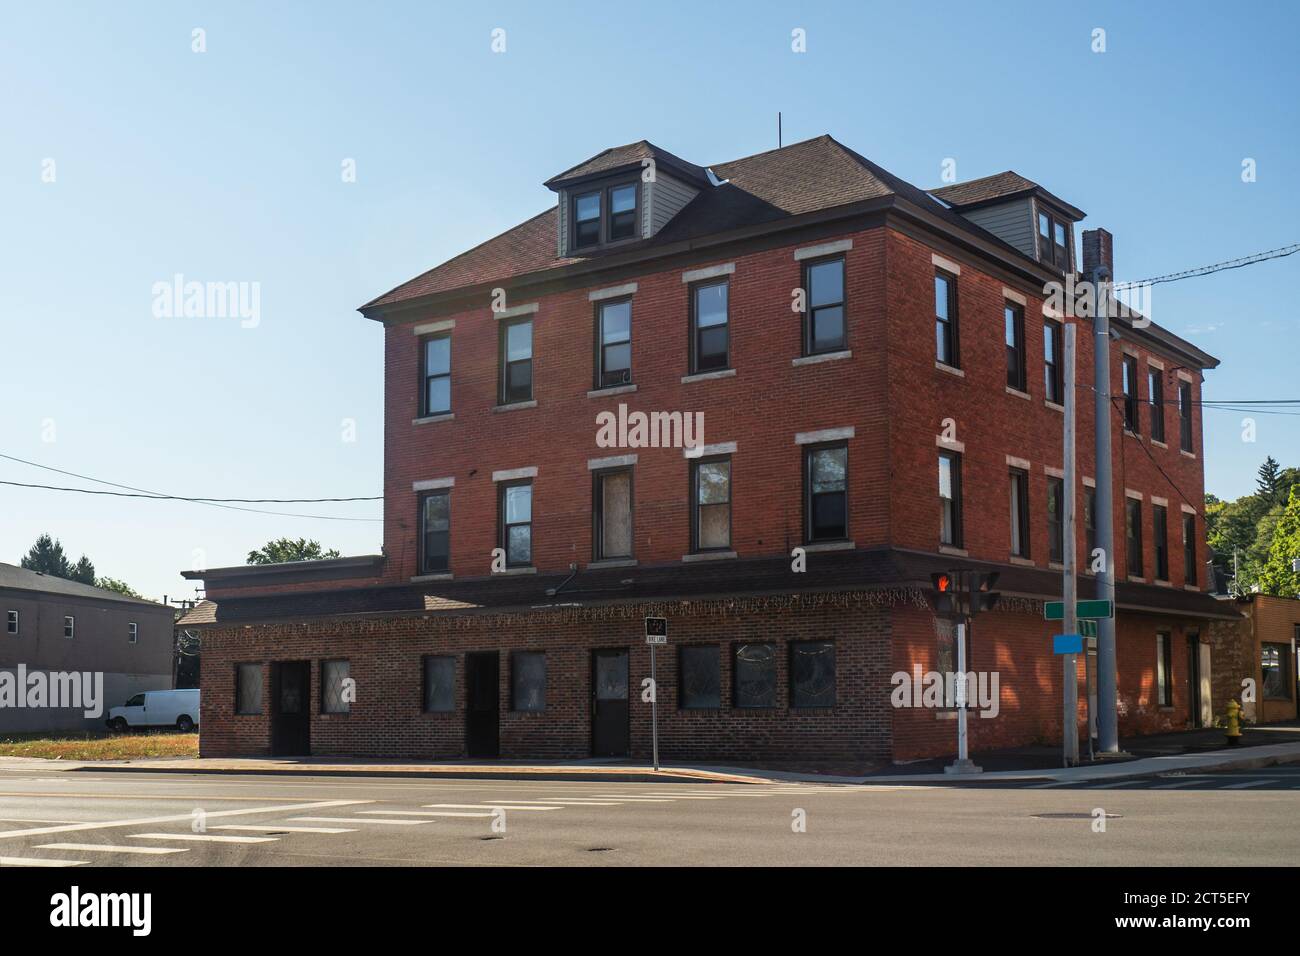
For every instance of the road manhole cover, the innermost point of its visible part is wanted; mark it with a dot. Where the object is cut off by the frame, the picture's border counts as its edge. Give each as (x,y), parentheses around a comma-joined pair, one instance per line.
(1073,816)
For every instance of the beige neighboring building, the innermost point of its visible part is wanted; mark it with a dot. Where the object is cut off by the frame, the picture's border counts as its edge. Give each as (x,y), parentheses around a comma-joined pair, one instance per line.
(1261,647)
(50,625)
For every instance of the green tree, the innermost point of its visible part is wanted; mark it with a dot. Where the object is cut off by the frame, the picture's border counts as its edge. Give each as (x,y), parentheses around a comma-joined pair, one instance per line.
(47,556)
(1269,480)
(286,549)
(121,587)
(1276,576)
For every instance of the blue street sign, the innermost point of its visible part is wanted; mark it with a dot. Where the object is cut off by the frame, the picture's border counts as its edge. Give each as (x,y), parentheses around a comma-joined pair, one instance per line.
(1067,643)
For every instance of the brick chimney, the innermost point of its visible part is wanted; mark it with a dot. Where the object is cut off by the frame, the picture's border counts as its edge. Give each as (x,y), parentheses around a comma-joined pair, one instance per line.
(1097,251)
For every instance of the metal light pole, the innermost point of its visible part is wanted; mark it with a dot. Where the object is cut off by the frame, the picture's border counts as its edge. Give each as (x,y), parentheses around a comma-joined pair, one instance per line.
(1107,709)
(1070,696)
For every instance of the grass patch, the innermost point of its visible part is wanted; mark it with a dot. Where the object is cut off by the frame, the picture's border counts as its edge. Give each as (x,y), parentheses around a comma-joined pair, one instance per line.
(91,746)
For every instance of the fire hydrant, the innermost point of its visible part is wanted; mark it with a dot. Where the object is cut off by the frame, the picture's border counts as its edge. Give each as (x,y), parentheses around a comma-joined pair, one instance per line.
(1233,731)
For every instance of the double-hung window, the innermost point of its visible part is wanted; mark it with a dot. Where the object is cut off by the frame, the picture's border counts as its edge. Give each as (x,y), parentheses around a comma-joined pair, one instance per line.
(1053,378)
(437,376)
(1185,416)
(586,219)
(614,343)
(11,622)
(516,510)
(1156,400)
(1056,520)
(69,626)
(824,323)
(132,632)
(711,495)
(710,328)
(1133,535)
(1160,540)
(435,532)
(826,483)
(1189,549)
(1053,241)
(622,212)
(950,530)
(1090,521)
(1130,387)
(1013,322)
(1019,512)
(612,491)
(945,318)
(516,361)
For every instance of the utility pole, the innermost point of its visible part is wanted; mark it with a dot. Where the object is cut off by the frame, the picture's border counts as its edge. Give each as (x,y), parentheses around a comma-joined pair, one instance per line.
(1070,714)
(1107,706)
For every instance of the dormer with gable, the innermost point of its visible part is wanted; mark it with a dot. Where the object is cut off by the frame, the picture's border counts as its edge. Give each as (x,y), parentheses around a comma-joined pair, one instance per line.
(1021,213)
(621,196)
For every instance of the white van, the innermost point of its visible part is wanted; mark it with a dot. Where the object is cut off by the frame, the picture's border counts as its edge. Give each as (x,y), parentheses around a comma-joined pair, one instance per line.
(157,708)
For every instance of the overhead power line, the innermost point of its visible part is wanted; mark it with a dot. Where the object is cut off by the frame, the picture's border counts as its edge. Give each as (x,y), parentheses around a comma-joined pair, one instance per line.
(227,503)
(1280,252)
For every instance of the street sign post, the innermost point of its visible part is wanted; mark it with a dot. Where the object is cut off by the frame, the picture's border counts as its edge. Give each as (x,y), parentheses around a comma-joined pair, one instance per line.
(1094,610)
(656,633)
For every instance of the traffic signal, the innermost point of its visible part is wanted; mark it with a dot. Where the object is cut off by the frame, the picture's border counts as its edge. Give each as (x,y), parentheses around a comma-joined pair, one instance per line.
(985,597)
(945,597)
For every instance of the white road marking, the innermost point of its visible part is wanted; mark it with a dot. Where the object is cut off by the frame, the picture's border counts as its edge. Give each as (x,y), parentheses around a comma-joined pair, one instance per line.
(1175,786)
(34,820)
(1116,784)
(33,861)
(1044,786)
(638,799)
(106,848)
(1250,783)
(683,796)
(569,803)
(489,803)
(441,813)
(179,817)
(354,820)
(273,828)
(200,837)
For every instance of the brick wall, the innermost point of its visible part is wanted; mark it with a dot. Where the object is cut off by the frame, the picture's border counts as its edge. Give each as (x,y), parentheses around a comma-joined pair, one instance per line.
(387,718)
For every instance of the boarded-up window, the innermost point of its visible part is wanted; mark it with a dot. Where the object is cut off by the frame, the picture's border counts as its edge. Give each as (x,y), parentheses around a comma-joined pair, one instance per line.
(528,681)
(248,689)
(700,677)
(755,675)
(336,687)
(439,684)
(614,511)
(812,674)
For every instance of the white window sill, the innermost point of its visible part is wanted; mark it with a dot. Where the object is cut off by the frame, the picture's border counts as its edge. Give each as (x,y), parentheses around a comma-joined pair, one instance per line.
(828,546)
(1162,583)
(1018,393)
(709,556)
(709,376)
(516,571)
(1191,587)
(612,563)
(1186,454)
(949,369)
(955,552)
(514,406)
(613,390)
(1055,566)
(1023,562)
(1052,405)
(1130,433)
(421,578)
(1135,579)
(430,419)
(822,357)
(1159,444)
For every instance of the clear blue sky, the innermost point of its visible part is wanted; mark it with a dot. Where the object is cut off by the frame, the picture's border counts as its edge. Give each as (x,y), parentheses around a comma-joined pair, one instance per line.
(226,165)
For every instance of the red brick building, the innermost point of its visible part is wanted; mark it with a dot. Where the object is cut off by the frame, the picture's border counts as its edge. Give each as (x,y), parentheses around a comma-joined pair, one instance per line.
(876,373)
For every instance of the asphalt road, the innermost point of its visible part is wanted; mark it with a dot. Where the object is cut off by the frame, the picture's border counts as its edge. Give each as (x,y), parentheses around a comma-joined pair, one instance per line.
(139,819)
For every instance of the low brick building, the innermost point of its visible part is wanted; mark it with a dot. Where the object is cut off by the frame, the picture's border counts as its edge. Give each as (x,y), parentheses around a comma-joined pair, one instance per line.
(877,376)
(1259,647)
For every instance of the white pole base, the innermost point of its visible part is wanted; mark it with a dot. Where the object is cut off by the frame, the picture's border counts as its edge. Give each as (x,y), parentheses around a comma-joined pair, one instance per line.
(963,766)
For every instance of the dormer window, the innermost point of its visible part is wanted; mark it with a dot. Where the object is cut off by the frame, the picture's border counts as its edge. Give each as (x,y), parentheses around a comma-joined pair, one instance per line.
(605,215)
(586,219)
(622,212)
(1053,241)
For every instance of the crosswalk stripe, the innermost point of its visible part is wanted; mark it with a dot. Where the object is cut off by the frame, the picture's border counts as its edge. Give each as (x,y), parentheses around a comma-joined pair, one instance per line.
(354,820)
(571,803)
(489,803)
(450,813)
(683,796)
(1250,783)
(35,861)
(638,799)
(106,848)
(284,829)
(200,837)
(1116,784)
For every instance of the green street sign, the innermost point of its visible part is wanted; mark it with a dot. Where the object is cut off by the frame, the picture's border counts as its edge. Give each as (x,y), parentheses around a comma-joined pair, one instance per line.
(1055,610)
(1088,628)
